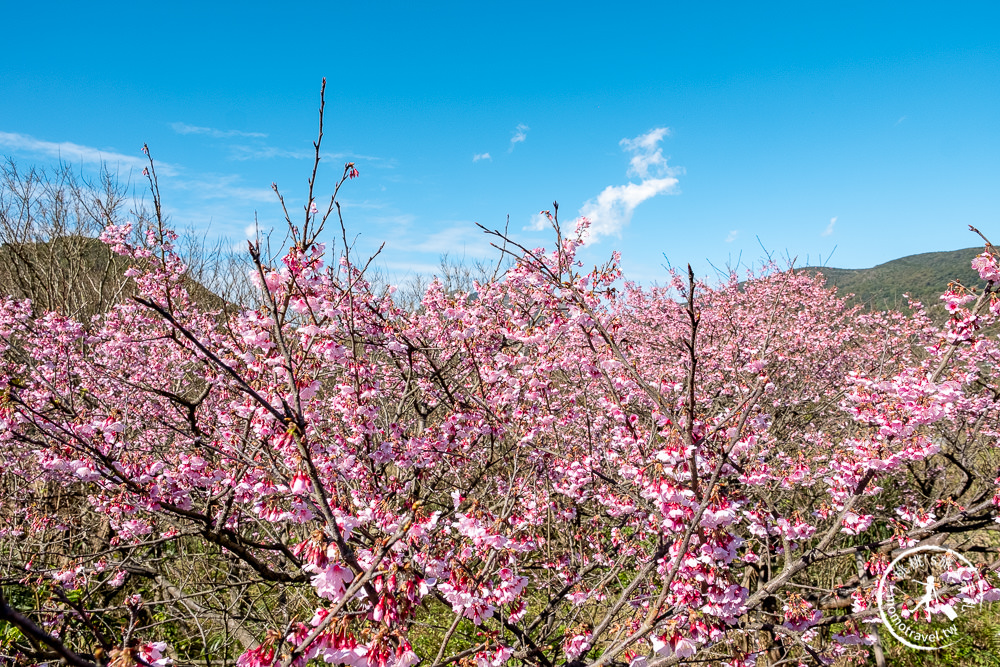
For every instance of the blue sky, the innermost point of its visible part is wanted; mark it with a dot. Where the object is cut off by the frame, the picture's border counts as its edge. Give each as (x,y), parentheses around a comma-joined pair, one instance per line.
(686,130)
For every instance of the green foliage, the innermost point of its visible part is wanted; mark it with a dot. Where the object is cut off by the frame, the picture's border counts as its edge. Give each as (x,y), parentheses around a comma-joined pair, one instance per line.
(978,645)
(924,277)
(430,627)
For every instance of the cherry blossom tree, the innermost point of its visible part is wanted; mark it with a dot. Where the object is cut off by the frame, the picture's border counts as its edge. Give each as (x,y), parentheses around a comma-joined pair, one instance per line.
(557,467)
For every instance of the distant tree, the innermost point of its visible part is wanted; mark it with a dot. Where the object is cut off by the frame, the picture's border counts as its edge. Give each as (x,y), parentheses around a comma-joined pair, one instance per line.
(50,221)
(49,252)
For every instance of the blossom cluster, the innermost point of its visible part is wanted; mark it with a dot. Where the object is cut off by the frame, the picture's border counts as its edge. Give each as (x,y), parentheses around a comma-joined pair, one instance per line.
(557,459)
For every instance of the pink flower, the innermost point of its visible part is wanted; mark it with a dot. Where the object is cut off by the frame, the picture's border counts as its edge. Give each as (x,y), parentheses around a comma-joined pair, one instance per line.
(855,524)
(576,646)
(153,654)
(262,656)
(495,659)
(800,614)
(331,581)
(685,648)
(986,265)
(301,484)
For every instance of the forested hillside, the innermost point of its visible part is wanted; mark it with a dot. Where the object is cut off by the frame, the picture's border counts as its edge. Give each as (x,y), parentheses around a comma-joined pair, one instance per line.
(924,277)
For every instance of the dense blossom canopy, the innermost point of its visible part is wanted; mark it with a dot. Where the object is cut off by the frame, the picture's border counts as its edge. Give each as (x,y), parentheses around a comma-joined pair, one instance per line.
(554,467)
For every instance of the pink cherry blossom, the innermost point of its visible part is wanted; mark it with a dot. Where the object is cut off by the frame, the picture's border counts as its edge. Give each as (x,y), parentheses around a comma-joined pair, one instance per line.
(553,456)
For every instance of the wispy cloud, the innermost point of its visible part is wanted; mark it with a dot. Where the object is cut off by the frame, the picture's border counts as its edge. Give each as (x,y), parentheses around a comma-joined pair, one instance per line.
(394,227)
(362,204)
(223,186)
(901,119)
(242,153)
(403,269)
(538,222)
(647,155)
(733,235)
(253,230)
(71,152)
(218,202)
(374,160)
(611,210)
(519,135)
(481,156)
(245,152)
(829,228)
(184,128)
(458,238)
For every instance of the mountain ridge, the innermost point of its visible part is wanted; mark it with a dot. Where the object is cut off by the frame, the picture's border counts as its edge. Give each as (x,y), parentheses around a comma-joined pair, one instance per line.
(924,276)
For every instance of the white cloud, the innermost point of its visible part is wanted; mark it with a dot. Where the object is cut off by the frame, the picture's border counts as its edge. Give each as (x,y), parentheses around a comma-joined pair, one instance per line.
(732,236)
(70,152)
(647,156)
(242,153)
(398,222)
(404,269)
(224,186)
(611,210)
(362,203)
(253,230)
(481,156)
(457,239)
(829,228)
(184,128)
(520,134)
(369,160)
(220,202)
(538,222)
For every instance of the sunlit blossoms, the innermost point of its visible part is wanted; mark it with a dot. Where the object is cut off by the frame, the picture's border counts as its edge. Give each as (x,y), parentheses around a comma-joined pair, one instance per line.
(553,466)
